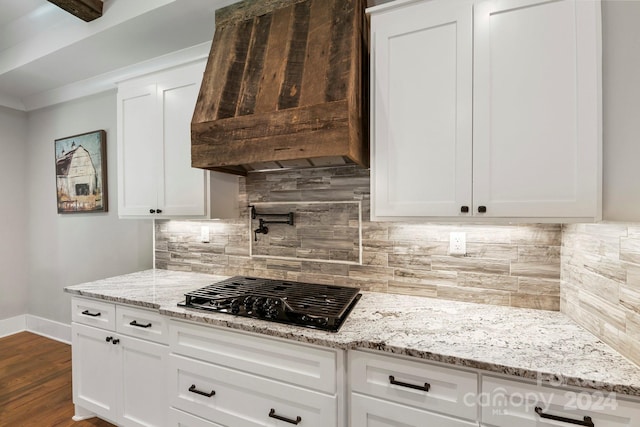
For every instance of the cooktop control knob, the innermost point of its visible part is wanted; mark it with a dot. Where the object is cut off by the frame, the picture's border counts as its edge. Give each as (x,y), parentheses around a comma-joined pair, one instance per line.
(235,306)
(258,306)
(272,308)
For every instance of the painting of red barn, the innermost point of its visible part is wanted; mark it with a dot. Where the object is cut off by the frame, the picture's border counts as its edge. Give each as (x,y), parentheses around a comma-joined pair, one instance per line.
(81,173)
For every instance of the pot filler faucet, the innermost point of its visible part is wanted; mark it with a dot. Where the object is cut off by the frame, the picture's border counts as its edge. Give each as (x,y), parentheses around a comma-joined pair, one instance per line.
(262,225)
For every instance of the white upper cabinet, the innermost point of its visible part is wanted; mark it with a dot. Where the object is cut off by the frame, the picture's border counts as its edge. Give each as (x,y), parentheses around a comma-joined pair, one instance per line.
(486,109)
(155,177)
(421,98)
(536,145)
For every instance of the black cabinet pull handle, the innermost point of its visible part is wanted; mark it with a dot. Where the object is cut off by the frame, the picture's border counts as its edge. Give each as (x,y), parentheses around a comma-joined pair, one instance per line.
(134,323)
(108,339)
(425,387)
(159,211)
(193,389)
(272,414)
(88,313)
(482,209)
(152,211)
(587,422)
(464,209)
(115,341)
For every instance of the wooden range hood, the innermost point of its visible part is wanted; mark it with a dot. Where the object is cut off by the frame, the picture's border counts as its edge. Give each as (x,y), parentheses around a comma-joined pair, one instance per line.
(283,87)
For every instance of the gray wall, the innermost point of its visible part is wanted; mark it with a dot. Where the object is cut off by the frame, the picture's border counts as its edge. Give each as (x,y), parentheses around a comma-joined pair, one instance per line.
(621,109)
(75,248)
(13,213)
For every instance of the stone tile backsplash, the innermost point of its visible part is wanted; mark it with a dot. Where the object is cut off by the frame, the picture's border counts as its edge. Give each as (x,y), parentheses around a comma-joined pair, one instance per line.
(512,265)
(601,282)
(322,231)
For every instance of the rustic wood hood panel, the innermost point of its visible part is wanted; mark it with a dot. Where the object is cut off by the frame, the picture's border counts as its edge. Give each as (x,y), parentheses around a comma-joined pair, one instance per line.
(283,86)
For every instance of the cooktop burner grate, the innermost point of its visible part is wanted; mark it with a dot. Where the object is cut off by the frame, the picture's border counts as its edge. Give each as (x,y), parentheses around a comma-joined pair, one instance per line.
(305,304)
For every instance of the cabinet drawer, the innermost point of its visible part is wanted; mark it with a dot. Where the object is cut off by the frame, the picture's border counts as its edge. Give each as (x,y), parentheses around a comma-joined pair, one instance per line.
(512,403)
(234,398)
(141,323)
(93,313)
(178,418)
(370,412)
(450,391)
(306,366)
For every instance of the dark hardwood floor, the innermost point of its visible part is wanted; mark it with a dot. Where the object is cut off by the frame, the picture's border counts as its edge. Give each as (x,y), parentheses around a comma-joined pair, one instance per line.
(35,383)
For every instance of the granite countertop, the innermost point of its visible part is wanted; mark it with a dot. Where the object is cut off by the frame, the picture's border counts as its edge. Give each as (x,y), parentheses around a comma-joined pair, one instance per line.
(533,344)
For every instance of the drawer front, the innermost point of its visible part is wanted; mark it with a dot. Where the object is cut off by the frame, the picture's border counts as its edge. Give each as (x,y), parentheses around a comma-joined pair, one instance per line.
(143,324)
(178,418)
(93,313)
(422,385)
(512,403)
(233,398)
(367,411)
(306,366)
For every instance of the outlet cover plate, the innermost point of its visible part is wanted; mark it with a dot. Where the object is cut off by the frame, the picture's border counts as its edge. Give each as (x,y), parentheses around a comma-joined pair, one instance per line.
(458,243)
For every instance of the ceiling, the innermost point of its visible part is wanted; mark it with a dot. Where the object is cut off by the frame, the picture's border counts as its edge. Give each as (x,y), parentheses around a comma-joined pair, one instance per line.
(48,55)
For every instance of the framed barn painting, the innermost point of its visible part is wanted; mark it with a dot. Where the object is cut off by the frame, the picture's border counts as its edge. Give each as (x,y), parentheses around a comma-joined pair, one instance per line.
(81,173)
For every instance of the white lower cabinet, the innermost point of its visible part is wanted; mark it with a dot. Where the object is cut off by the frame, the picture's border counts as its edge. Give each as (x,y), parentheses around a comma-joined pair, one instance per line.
(233,398)
(116,376)
(235,379)
(144,395)
(367,411)
(95,387)
(395,391)
(207,376)
(508,403)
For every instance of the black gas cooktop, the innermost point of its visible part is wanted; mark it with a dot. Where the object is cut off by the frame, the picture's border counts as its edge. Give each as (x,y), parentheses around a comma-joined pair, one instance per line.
(304,304)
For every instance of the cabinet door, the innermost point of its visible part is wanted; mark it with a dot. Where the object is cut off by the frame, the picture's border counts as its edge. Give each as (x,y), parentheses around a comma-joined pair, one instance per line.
(95,367)
(370,412)
(182,189)
(536,113)
(422,109)
(138,135)
(144,382)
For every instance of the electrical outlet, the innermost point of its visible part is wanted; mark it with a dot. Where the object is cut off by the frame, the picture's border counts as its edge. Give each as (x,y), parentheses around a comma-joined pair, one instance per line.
(458,243)
(204,234)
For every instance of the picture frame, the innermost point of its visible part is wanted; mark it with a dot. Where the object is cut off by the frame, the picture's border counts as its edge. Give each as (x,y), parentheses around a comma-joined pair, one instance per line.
(81,173)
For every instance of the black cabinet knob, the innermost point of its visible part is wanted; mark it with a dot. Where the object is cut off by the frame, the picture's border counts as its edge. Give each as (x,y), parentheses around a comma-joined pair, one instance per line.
(482,209)
(152,211)
(159,211)
(464,209)
(115,341)
(109,339)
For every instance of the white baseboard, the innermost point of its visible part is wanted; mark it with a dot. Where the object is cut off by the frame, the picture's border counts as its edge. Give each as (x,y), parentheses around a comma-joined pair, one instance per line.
(49,328)
(13,325)
(38,325)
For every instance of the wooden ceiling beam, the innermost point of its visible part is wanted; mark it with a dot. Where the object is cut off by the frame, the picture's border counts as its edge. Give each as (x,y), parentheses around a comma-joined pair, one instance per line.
(87,10)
